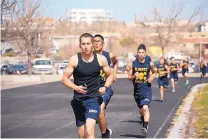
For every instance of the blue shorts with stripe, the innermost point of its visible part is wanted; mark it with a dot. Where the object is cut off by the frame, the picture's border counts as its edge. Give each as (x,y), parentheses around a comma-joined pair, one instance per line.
(163,82)
(174,75)
(86,108)
(107,96)
(143,94)
(184,71)
(203,71)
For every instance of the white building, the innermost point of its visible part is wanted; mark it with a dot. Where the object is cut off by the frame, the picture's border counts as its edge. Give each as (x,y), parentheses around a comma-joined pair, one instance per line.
(89,15)
(204,28)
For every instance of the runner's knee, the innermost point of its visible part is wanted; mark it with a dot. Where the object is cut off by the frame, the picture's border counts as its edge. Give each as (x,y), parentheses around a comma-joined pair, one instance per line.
(89,132)
(145,108)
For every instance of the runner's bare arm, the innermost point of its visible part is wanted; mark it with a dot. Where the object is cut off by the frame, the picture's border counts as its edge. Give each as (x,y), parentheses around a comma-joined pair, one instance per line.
(205,62)
(128,65)
(168,69)
(69,71)
(107,70)
(153,75)
(130,72)
(115,64)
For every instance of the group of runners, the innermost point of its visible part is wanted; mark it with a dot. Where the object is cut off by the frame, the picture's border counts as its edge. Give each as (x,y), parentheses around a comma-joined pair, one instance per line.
(94,71)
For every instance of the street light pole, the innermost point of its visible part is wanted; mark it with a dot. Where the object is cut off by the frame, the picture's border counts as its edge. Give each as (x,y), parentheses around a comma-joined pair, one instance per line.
(200,49)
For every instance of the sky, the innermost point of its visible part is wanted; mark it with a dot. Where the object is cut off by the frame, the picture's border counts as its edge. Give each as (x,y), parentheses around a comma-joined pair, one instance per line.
(124,10)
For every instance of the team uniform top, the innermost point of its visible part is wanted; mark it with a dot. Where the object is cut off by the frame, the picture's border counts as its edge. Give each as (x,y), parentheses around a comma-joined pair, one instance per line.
(87,74)
(102,74)
(161,71)
(143,69)
(173,68)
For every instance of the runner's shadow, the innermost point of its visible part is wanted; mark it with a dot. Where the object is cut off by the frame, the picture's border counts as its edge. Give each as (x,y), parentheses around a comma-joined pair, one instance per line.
(168,91)
(132,136)
(156,100)
(132,121)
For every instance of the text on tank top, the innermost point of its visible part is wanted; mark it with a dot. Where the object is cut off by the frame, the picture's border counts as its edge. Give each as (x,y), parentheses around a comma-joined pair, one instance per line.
(143,69)
(173,67)
(102,73)
(161,71)
(185,64)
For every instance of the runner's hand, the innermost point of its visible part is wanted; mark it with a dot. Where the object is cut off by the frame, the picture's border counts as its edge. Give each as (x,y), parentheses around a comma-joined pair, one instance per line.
(150,79)
(102,90)
(81,89)
(136,75)
(114,77)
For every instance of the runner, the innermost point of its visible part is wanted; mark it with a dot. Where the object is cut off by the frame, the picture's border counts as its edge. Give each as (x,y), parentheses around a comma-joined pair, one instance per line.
(173,73)
(98,47)
(139,72)
(203,67)
(185,65)
(147,58)
(85,67)
(163,71)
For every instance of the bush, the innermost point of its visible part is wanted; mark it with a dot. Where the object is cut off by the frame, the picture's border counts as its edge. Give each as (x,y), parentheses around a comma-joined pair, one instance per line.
(10,54)
(127,42)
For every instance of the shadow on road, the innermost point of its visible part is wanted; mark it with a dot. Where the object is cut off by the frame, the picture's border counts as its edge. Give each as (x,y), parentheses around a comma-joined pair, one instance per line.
(132,121)
(132,136)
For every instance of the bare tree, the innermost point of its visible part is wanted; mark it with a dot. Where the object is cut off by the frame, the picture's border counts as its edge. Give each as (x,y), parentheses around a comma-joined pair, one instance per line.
(7,7)
(27,25)
(167,28)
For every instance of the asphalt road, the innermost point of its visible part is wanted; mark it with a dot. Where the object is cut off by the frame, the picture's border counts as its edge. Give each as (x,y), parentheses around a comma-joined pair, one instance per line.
(44,111)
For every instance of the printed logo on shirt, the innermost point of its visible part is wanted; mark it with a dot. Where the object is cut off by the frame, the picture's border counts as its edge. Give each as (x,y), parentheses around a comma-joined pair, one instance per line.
(142,75)
(102,75)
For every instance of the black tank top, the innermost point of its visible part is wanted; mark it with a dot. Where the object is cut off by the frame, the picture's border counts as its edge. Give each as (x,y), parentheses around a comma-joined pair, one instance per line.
(87,74)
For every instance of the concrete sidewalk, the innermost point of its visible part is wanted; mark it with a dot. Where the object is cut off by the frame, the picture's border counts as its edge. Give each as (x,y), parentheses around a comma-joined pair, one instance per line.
(12,81)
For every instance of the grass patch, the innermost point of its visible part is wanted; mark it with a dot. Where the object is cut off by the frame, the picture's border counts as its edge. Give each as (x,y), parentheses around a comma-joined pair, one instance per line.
(200,104)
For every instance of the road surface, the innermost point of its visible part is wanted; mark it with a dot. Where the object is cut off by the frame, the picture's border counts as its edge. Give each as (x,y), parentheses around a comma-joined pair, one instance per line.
(44,111)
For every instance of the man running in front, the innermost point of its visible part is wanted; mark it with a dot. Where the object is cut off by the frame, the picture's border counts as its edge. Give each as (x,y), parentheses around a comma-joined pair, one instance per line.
(85,68)
(140,74)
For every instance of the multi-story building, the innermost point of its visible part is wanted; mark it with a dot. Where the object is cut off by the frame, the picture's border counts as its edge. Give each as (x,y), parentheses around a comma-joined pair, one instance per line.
(202,27)
(89,16)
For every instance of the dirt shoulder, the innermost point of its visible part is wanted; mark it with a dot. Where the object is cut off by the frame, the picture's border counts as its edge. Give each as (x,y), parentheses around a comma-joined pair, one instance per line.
(191,118)
(198,118)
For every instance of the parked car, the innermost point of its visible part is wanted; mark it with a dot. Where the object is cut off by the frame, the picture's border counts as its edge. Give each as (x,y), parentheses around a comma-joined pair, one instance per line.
(122,70)
(60,69)
(7,69)
(42,66)
(19,69)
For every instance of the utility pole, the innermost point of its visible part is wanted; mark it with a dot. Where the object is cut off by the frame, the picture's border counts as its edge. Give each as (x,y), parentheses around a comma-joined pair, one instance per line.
(200,47)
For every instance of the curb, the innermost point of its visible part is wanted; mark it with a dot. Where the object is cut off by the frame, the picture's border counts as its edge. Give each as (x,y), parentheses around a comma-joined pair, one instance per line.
(181,121)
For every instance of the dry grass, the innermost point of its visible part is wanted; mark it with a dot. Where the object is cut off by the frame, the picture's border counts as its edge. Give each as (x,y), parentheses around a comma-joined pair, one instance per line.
(201,105)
